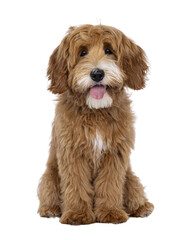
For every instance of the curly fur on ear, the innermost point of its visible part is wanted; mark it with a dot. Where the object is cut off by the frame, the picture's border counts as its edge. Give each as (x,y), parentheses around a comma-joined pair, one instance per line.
(134,64)
(57,70)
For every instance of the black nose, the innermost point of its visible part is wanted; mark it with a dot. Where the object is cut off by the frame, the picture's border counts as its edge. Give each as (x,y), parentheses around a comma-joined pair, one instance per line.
(97,74)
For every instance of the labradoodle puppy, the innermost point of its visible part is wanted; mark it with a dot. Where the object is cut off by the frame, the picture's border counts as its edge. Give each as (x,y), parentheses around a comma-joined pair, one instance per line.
(88,176)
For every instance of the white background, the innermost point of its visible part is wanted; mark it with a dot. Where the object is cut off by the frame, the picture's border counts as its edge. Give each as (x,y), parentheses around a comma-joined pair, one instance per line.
(30,30)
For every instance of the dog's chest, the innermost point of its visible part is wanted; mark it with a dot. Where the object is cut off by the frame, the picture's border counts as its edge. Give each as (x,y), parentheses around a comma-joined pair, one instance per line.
(97,145)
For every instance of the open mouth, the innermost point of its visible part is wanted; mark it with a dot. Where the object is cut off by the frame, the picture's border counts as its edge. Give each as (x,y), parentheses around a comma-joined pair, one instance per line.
(98,91)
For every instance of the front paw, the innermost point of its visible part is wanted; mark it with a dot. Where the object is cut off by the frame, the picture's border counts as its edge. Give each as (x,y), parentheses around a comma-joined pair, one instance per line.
(111,216)
(77,217)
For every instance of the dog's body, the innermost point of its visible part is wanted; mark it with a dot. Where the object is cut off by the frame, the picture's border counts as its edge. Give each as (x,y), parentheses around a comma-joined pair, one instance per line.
(88,176)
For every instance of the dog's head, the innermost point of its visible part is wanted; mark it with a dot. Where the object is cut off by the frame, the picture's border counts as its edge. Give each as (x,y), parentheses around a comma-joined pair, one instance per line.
(95,62)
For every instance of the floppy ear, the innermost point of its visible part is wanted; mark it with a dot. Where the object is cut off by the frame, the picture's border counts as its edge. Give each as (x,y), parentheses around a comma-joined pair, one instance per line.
(57,71)
(134,64)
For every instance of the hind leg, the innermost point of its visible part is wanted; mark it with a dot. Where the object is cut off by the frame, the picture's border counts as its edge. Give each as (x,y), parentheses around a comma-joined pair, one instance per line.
(49,190)
(135,202)
(48,193)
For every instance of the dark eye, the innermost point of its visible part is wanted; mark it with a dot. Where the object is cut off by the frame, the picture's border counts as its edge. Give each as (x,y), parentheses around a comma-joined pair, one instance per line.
(108,51)
(83,53)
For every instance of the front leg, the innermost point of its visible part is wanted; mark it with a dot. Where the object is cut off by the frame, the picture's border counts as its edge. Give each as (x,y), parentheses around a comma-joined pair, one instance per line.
(76,192)
(109,190)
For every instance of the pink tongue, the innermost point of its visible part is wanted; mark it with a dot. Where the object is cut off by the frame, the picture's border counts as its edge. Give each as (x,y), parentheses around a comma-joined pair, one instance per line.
(98,91)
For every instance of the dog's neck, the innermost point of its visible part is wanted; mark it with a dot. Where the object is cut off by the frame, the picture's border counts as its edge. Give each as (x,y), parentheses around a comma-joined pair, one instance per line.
(75,104)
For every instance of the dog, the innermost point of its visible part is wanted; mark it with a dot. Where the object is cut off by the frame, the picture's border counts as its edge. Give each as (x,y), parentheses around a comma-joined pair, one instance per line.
(88,176)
